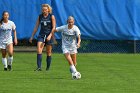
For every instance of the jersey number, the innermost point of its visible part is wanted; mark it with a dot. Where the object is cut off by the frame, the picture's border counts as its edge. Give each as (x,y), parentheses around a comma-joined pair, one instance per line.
(45,23)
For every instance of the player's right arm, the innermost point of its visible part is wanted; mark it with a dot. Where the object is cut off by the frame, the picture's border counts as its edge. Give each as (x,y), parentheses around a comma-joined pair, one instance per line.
(60,29)
(35,30)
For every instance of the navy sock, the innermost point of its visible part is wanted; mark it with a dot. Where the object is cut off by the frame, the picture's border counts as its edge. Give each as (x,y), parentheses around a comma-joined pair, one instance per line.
(39,60)
(48,60)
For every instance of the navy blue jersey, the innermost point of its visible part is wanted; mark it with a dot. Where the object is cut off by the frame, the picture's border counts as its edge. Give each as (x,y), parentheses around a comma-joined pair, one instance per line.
(46,24)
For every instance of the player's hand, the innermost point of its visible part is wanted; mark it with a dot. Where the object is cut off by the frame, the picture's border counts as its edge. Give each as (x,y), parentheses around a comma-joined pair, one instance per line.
(55,42)
(78,45)
(30,40)
(15,41)
(49,37)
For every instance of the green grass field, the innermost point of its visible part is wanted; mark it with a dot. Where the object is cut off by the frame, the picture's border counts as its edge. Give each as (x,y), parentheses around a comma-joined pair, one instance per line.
(101,73)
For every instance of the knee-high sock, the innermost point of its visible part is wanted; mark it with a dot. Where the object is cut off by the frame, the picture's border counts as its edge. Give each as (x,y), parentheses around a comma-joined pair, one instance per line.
(39,60)
(72,69)
(48,60)
(10,60)
(4,61)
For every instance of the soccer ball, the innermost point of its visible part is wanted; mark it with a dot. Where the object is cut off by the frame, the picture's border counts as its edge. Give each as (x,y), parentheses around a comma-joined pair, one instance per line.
(76,75)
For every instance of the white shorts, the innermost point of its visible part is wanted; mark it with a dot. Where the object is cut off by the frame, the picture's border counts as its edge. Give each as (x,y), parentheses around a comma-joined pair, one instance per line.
(3,45)
(70,51)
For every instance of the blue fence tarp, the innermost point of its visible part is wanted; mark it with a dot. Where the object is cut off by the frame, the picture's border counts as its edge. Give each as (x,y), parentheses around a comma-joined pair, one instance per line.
(97,19)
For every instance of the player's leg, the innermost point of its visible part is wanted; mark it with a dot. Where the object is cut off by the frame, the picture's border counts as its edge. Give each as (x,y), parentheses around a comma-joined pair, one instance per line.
(70,61)
(10,55)
(73,56)
(4,59)
(49,58)
(40,46)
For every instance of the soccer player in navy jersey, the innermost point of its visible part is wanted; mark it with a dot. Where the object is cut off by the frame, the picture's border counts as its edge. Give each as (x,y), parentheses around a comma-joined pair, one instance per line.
(6,40)
(47,22)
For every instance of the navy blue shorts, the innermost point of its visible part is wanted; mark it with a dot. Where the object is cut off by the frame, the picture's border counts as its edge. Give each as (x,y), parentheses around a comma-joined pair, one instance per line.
(42,38)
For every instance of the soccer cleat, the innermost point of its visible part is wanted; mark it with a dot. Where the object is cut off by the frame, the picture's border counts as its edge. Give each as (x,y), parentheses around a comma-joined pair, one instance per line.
(47,69)
(5,69)
(38,69)
(9,67)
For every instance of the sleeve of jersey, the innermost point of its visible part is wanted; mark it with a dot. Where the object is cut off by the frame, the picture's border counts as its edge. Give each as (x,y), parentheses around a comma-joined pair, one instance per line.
(77,31)
(13,26)
(60,29)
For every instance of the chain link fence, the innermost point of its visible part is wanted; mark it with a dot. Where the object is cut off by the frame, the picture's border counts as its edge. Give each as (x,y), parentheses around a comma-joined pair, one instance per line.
(88,46)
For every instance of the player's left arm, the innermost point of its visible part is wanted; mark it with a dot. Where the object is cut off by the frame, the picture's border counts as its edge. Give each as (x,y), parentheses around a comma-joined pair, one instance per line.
(53,28)
(78,37)
(15,34)
(15,37)
(79,41)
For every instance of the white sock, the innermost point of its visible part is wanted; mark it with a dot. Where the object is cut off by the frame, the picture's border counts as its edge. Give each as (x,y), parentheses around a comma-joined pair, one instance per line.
(10,60)
(4,61)
(73,69)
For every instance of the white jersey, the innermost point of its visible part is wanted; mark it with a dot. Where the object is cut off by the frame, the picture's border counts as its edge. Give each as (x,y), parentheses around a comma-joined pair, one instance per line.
(69,36)
(6,31)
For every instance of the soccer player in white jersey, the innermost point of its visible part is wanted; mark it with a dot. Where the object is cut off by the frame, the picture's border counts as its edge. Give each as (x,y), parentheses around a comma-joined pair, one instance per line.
(70,42)
(6,42)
